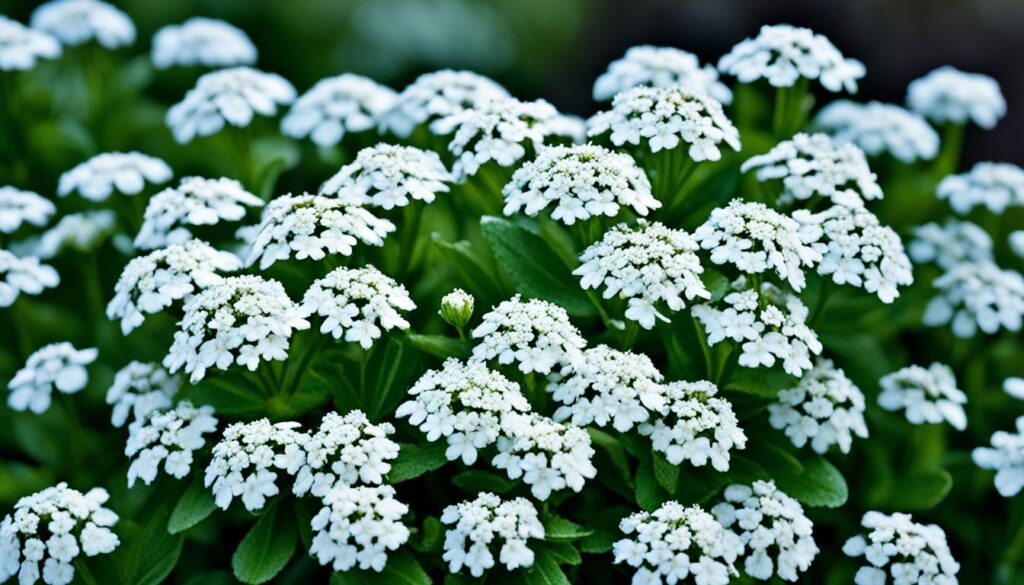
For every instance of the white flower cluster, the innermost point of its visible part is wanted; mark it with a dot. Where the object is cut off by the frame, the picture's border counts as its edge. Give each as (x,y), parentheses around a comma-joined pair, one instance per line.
(926,395)
(1006,458)
(977,295)
(533,334)
(666,117)
(1016,241)
(490,524)
(756,239)
(21,46)
(994,185)
(83,232)
(358,303)
(242,319)
(815,164)
(464,402)
(547,455)
(697,426)
(151,283)
(950,244)
(244,462)
(19,207)
(344,451)
(52,528)
(227,96)
(825,408)
(897,546)
(879,128)
(168,436)
(358,526)
(950,95)
(194,202)
(312,226)
(646,65)
(346,103)
(140,388)
(674,543)
(582,181)
(436,95)
(23,275)
(388,176)
(782,54)
(126,172)
(770,323)
(649,265)
(58,365)
(201,41)
(74,22)
(765,517)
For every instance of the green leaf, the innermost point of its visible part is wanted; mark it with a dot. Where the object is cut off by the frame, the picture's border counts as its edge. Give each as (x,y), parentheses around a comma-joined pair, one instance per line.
(231,394)
(482,481)
(439,346)
(390,377)
(148,553)
(649,494)
(195,504)
(558,529)
(414,460)
(760,382)
(268,546)
(599,542)
(819,485)
(717,284)
(477,274)
(18,479)
(666,473)
(561,553)
(402,569)
(919,490)
(431,537)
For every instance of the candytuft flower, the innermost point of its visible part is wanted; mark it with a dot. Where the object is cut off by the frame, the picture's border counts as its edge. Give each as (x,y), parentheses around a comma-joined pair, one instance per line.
(126,172)
(646,65)
(977,295)
(437,95)
(927,395)
(21,46)
(358,526)
(344,451)
(879,129)
(139,389)
(358,303)
(535,335)
(336,106)
(194,202)
(23,275)
(994,185)
(825,408)
(1006,458)
(206,42)
(897,546)
(74,22)
(245,459)
(169,436)
(490,525)
(58,365)
(950,95)
(19,207)
(388,176)
(547,455)
(950,244)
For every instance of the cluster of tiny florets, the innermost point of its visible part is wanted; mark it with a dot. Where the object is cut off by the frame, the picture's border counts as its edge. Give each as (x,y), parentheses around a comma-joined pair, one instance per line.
(56,366)
(898,547)
(140,388)
(533,334)
(201,41)
(994,185)
(645,65)
(825,408)
(879,129)
(357,527)
(1006,458)
(488,525)
(547,455)
(82,232)
(344,451)
(389,176)
(169,436)
(23,275)
(975,296)
(950,244)
(950,95)
(124,172)
(18,207)
(336,106)
(21,46)
(74,22)
(926,395)
(194,202)
(437,95)
(359,303)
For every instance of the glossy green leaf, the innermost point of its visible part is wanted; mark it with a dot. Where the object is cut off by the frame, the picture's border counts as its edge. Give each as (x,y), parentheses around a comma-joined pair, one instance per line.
(414,460)
(194,506)
(267,547)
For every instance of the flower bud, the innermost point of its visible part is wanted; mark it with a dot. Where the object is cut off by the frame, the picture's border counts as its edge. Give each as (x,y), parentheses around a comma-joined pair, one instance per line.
(457,308)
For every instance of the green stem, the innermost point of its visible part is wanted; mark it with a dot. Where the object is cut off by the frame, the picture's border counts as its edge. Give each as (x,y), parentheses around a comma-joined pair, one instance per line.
(605,318)
(702,340)
(631,333)
(246,161)
(93,287)
(823,297)
(949,156)
(413,219)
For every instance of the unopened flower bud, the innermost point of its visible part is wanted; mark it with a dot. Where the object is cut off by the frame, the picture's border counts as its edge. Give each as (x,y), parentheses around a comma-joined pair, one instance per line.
(457,308)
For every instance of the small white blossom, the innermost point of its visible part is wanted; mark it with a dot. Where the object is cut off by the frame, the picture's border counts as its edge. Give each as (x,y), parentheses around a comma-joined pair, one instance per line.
(82,232)
(168,436)
(23,275)
(824,409)
(1006,458)
(879,128)
(125,172)
(206,42)
(897,546)
(246,459)
(345,450)
(357,527)
(21,46)
(547,455)
(457,308)
(950,95)
(533,334)
(74,22)
(194,202)
(139,389)
(19,207)
(646,65)
(1014,388)
(437,95)
(926,395)
(388,176)
(359,303)
(950,244)
(58,365)
(487,525)
(1016,240)
(994,185)
(977,295)
(335,106)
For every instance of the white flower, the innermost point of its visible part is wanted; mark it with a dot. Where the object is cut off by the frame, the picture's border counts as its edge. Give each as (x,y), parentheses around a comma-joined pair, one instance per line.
(74,22)
(336,106)
(194,202)
(768,521)
(666,118)
(1005,457)
(950,244)
(312,226)
(457,308)
(245,461)
(487,525)
(52,528)
(697,426)
(782,54)
(139,389)
(950,95)
(201,41)
(436,95)
(977,295)
(388,176)
(535,335)
(169,436)
(359,303)
(674,543)
(547,455)
(879,128)
(994,185)
(357,527)
(151,283)
(232,96)
(1016,240)
(646,65)
(126,172)
(926,395)
(824,409)
(83,232)
(21,46)
(907,551)
(23,275)
(19,207)
(242,319)
(345,450)
(58,365)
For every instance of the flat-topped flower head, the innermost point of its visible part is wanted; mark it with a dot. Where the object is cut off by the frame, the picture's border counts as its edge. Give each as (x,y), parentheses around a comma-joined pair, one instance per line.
(485,526)
(994,185)
(950,95)
(582,182)
(19,207)
(358,303)
(358,526)
(124,172)
(646,65)
(896,546)
(926,395)
(246,462)
(57,366)
(194,202)
(241,320)
(665,118)
(951,243)
(976,296)
(47,531)
(777,534)
(465,403)
(533,334)
(676,544)
(825,408)
(697,426)
(1006,458)
(437,95)
(139,389)
(879,129)
(73,22)
(23,275)
(547,455)
(345,450)
(151,283)
(336,106)
(783,54)
(203,42)
(312,226)
(82,232)
(21,46)
(227,96)
(167,436)
(815,164)
(389,176)
(757,239)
